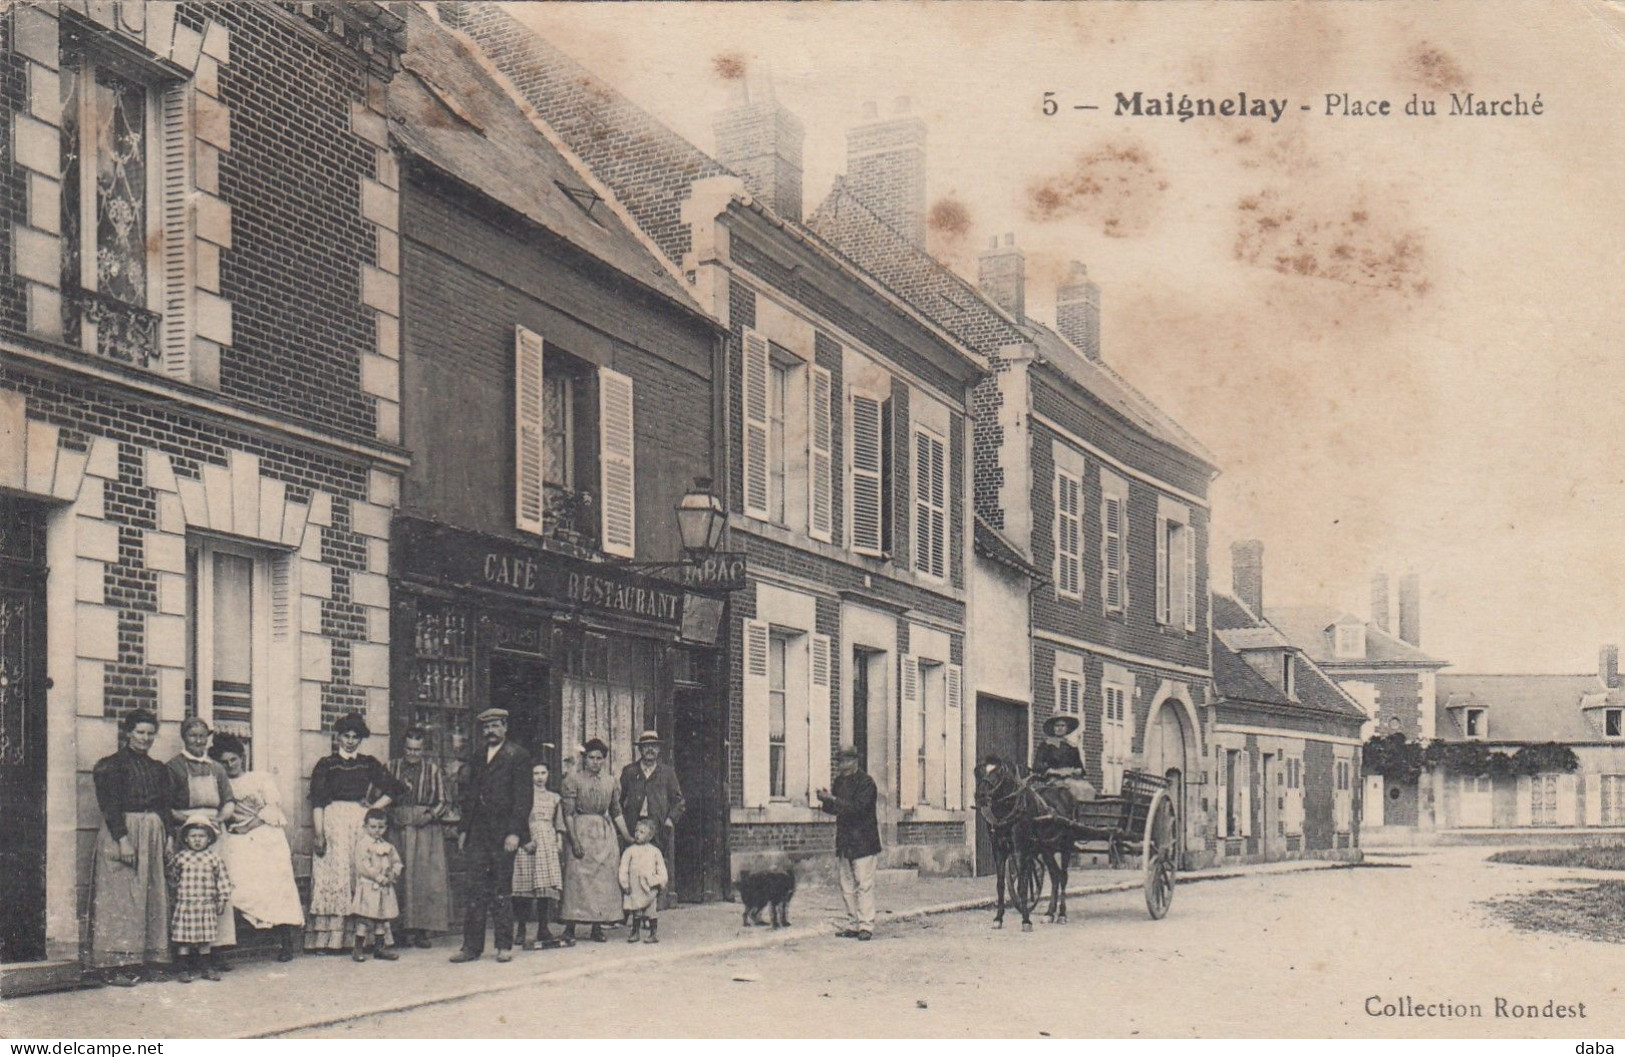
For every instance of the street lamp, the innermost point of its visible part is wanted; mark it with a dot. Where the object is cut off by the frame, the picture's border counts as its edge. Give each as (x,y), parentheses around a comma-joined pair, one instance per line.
(701,519)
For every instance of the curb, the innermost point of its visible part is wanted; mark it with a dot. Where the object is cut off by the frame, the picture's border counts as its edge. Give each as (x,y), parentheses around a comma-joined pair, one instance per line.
(773,939)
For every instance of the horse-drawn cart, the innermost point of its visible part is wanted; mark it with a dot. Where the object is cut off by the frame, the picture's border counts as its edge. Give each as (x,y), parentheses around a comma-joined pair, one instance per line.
(1032,836)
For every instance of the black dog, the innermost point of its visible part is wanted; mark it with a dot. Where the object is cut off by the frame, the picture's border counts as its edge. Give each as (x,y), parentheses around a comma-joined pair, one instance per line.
(759,889)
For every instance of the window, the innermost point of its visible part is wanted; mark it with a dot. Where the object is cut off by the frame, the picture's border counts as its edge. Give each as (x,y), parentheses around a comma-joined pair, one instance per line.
(1350,640)
(1176,566)
(1069,685)
(1287,674)
(124,211)
(1613,722)
(1543,800)
(1114,739)
(558,431)
(229,593)
(869,472)
(778,398)
(777,715)
(1068,535)
(1475,720)
(1613,799)
(930,504)
(926,702)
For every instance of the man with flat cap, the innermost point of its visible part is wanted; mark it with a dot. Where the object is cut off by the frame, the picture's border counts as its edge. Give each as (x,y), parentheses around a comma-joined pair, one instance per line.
(857,840)
(496,819)
(649,789)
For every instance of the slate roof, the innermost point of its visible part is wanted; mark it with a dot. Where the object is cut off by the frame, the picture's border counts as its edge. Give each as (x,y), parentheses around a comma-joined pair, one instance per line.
(1523,708)
(1307,627)
(994,546)
(961,308)
(447,109)
(1234,628)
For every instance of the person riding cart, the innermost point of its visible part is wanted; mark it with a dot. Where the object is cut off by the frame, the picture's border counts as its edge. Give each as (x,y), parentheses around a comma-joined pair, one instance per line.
(1058,761)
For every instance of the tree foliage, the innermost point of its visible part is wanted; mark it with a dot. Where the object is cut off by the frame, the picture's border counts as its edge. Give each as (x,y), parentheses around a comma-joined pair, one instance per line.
(1397,758)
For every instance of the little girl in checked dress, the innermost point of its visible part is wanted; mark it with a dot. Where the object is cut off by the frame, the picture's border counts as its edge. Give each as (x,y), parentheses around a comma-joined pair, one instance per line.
(537,879)
(377,867)
(202,893)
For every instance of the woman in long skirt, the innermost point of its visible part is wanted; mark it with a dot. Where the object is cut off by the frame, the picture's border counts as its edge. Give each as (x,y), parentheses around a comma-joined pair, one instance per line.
(425,895)
(343,787)
(256,850)
(129,895)
(591,814)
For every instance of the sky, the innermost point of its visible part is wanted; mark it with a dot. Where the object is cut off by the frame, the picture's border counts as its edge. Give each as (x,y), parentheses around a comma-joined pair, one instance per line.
(1401,336)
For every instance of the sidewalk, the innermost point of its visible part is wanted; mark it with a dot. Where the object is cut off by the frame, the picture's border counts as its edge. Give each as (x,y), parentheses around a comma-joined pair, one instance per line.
(270,998)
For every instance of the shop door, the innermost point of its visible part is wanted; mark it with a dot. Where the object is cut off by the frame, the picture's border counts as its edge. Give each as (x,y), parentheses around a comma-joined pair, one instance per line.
(522,686)
(1001,730)
(22,731)
(698,753)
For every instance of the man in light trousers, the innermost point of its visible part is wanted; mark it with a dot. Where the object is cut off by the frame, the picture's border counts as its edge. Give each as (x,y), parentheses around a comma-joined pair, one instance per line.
(857,840)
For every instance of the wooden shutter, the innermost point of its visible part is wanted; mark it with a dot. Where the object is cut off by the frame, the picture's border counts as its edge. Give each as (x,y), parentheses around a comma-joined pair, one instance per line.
(1593,798)
(1163,615)
(527,430)
(753,751)
(1187,535)
(175,188)
(1067,494)
(953,729)
(617,461)
(909,772)
(757,370)
(867,466)
(1111,516)
(930,504)
(818,714)
(1525,803)
(1221,795)
(820,457)
(1568,793)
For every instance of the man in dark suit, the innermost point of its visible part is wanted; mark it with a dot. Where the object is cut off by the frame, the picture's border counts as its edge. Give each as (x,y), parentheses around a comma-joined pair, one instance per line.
(496,819)
(857,840)
(649,789)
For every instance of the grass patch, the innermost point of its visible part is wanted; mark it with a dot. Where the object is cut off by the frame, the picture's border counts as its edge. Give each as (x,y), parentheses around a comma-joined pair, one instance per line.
(1583,856)
(1596,912)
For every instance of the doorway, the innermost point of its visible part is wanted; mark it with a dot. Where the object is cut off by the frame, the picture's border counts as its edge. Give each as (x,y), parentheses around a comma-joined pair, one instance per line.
(1001,730)
(522,686)
(699,755)
(1169,747)
(22,731)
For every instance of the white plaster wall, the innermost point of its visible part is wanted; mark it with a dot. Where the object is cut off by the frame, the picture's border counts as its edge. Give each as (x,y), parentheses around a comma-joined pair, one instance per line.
(999,646)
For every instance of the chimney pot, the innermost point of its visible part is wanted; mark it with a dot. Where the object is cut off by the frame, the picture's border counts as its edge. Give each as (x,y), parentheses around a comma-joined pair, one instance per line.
(1608,666)
(761,140)
(1247,573)
(885,169)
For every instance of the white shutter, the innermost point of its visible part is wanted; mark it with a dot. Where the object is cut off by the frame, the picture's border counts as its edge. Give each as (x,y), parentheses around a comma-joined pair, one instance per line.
(1525,805)
(820,458)
(1068,530)
(617,461)
(953,728)
(1187,536)
(818,706)
(909,772)
(753,751)
(1221,798)
(1593,793)
(935,737)
(527,429)
(175,187)
(1163,615)
(1245,800)
(1177,549)
(865,453)
(1111,586)
(1567,793)
(930,499)
(757,369)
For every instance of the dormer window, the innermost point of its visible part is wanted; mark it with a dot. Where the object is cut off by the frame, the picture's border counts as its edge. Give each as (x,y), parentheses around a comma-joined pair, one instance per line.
(1349,641)
(1476,721)
(1287,686)
(1613,722)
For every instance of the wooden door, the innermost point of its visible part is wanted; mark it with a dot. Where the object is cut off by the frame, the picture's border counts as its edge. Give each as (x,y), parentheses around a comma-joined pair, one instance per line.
(1001,730)
(22,731)
(699,755)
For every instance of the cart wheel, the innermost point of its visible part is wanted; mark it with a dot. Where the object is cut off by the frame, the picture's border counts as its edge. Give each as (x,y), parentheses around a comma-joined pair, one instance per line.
(1160,855)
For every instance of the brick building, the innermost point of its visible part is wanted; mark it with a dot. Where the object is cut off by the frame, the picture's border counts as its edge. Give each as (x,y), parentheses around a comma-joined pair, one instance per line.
(199,419)
(1091,503)
(1286,739)
(556,396)
(847,449)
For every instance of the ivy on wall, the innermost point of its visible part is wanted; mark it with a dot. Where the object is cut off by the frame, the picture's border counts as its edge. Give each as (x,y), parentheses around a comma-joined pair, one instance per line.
(1397,758)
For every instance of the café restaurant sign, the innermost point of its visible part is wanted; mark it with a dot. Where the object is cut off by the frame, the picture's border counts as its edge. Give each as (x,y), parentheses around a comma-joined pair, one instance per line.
(467,558)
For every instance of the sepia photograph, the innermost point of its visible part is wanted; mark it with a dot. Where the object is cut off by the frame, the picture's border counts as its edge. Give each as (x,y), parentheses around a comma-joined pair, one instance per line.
(529,521)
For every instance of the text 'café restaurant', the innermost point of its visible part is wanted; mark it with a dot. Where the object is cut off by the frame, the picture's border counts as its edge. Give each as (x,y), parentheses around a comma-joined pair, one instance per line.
(573,649)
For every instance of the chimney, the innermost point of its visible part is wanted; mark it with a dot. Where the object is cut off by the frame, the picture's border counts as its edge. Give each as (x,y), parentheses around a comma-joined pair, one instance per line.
(1077,311)
(1608,666)
(1247,573)
(761,141)
(1410,609)
(1379,601)
(1001,273)
(885,168)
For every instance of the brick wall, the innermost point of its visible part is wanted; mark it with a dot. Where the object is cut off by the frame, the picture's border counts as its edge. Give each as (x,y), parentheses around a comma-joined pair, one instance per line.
(1076,411)
(1319,789)
(13,180)
(1398,696)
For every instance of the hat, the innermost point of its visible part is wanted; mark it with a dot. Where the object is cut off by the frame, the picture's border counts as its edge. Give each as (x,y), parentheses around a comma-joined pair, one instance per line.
(352,721)
(492,713)
(202,822)
(847,752)
(1060,726)
(648,737)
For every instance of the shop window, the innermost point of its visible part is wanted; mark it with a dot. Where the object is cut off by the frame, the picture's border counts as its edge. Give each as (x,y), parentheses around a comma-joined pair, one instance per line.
(124,210)
(608,691)
(441,691)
